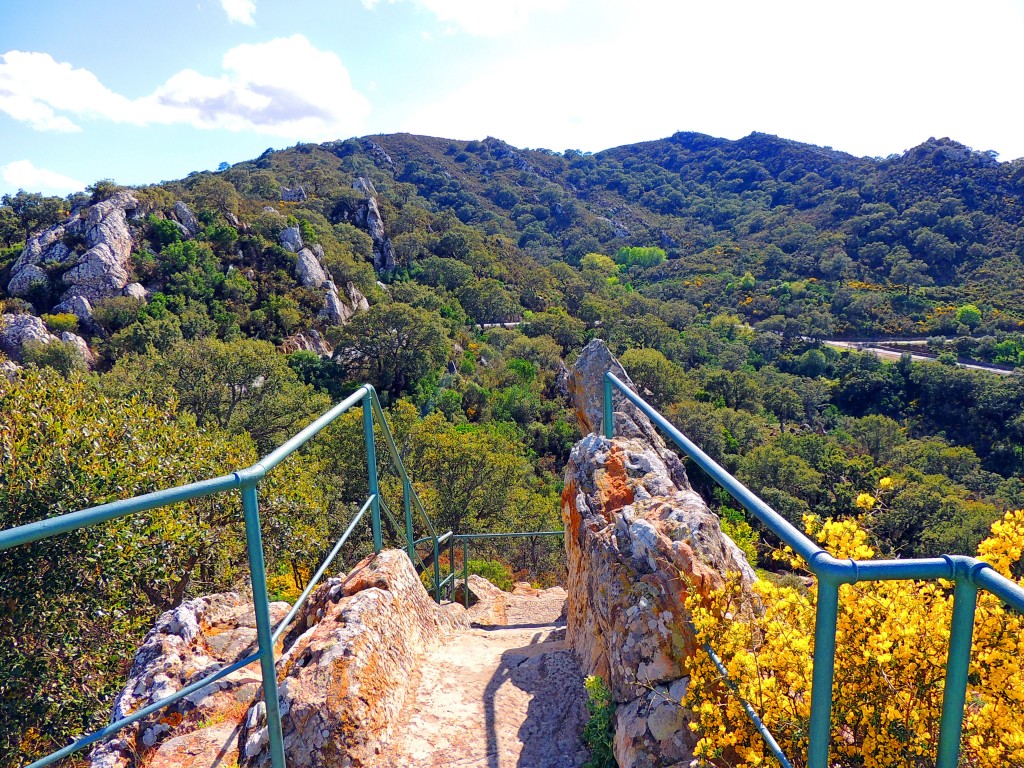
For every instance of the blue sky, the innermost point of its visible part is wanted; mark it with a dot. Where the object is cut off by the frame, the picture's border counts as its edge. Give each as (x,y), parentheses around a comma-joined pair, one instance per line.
(146,91)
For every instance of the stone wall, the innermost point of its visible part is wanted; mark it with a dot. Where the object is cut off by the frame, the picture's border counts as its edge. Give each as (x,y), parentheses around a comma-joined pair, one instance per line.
(638,540)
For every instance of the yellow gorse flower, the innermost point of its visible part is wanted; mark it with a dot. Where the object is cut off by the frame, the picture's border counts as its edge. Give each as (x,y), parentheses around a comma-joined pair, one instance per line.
(891,645)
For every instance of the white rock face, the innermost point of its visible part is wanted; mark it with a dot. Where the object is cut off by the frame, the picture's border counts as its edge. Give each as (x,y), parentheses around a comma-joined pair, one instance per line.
(308,270)
(291,239)
(355,296)
(17,330)
(187,219)
(135,291)
(26,279)
(9,370)
(78,343)
(335,311)
(78,306)
(98,273)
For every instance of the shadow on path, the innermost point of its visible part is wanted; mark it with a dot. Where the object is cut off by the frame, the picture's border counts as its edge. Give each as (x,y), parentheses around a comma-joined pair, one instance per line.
(551,734)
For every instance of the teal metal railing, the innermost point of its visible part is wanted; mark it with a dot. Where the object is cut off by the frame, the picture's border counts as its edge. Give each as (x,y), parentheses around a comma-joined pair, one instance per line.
(246,482)
(967,573)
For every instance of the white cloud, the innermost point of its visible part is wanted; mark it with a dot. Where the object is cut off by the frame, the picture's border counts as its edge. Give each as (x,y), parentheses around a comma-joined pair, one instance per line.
(285,87)
(240,10)
(873,80)
(484,18)
(22,174)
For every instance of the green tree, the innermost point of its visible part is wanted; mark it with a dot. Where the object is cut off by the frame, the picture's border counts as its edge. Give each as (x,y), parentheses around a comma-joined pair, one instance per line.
(392,346)
(969,315)
(34,211)
(239,386)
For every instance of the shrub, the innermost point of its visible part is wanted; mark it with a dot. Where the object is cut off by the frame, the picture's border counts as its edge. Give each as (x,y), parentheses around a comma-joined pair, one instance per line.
(60,322)
(599,732)
(62,356)
(891,647)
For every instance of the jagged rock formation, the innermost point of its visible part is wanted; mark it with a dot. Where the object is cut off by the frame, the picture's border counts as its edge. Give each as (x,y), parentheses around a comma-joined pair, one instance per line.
(638,540)
(97,272)
(343,671)
(344,680)
(310,341)
(310,272)
(368,217)
(187,220)
(194,640)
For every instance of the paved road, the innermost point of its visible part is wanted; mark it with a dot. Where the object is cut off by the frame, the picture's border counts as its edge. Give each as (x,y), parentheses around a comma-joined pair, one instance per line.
(888,354)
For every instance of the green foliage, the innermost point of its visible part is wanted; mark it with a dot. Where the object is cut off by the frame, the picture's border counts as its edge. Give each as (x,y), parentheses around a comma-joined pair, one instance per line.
(644,258)
(599,732)
(62,356)
(60,322)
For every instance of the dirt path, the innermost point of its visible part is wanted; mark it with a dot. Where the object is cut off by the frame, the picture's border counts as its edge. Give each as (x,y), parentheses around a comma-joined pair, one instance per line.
(497,697)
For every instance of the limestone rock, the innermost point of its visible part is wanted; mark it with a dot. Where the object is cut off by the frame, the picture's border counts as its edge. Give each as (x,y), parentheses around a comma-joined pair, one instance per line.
(184,216)
(17,330)
(488,605)
(215,745)
(78,306)
(364,185)
(343,682)
(334,310)
(190,642)
(638,541)
(310,341)
(296,195)
(98,273)
(135,291)
(308,271)
(291,239)
(26,279)
(79,344)
(9,370)
(356,298)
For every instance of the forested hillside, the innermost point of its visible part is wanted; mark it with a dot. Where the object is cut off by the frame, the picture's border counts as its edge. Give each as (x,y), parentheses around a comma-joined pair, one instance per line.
(457,277)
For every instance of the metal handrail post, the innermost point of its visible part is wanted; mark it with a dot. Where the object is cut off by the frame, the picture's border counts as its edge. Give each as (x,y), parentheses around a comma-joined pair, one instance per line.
(465,572)
(410,534)
(437,572)
(609,423)
(822,673)
(958,661)
(371,470)
(264,631)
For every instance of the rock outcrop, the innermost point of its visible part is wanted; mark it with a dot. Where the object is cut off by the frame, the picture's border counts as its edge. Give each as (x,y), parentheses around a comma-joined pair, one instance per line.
(368,217)
(188,643)
(310,272)
(93,266)
(18,330)
(344,680)
(343,671)
(309,341)
(638,541)
(184,216)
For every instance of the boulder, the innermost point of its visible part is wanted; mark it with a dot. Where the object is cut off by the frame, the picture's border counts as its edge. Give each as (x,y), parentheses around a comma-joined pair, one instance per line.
(638,541)
(190,642)
(79,344)
(17,330)
(184,216)
(135,291)
(296,195)
(334,310)
(488,605)
(356,298)
(78,306)
(343,682)
(291,239)
(99,273)
(9,370)
(308,271)
(26,279)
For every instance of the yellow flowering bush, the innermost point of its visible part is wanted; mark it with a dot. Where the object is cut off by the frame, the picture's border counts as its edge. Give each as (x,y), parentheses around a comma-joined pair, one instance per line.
(891,645)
